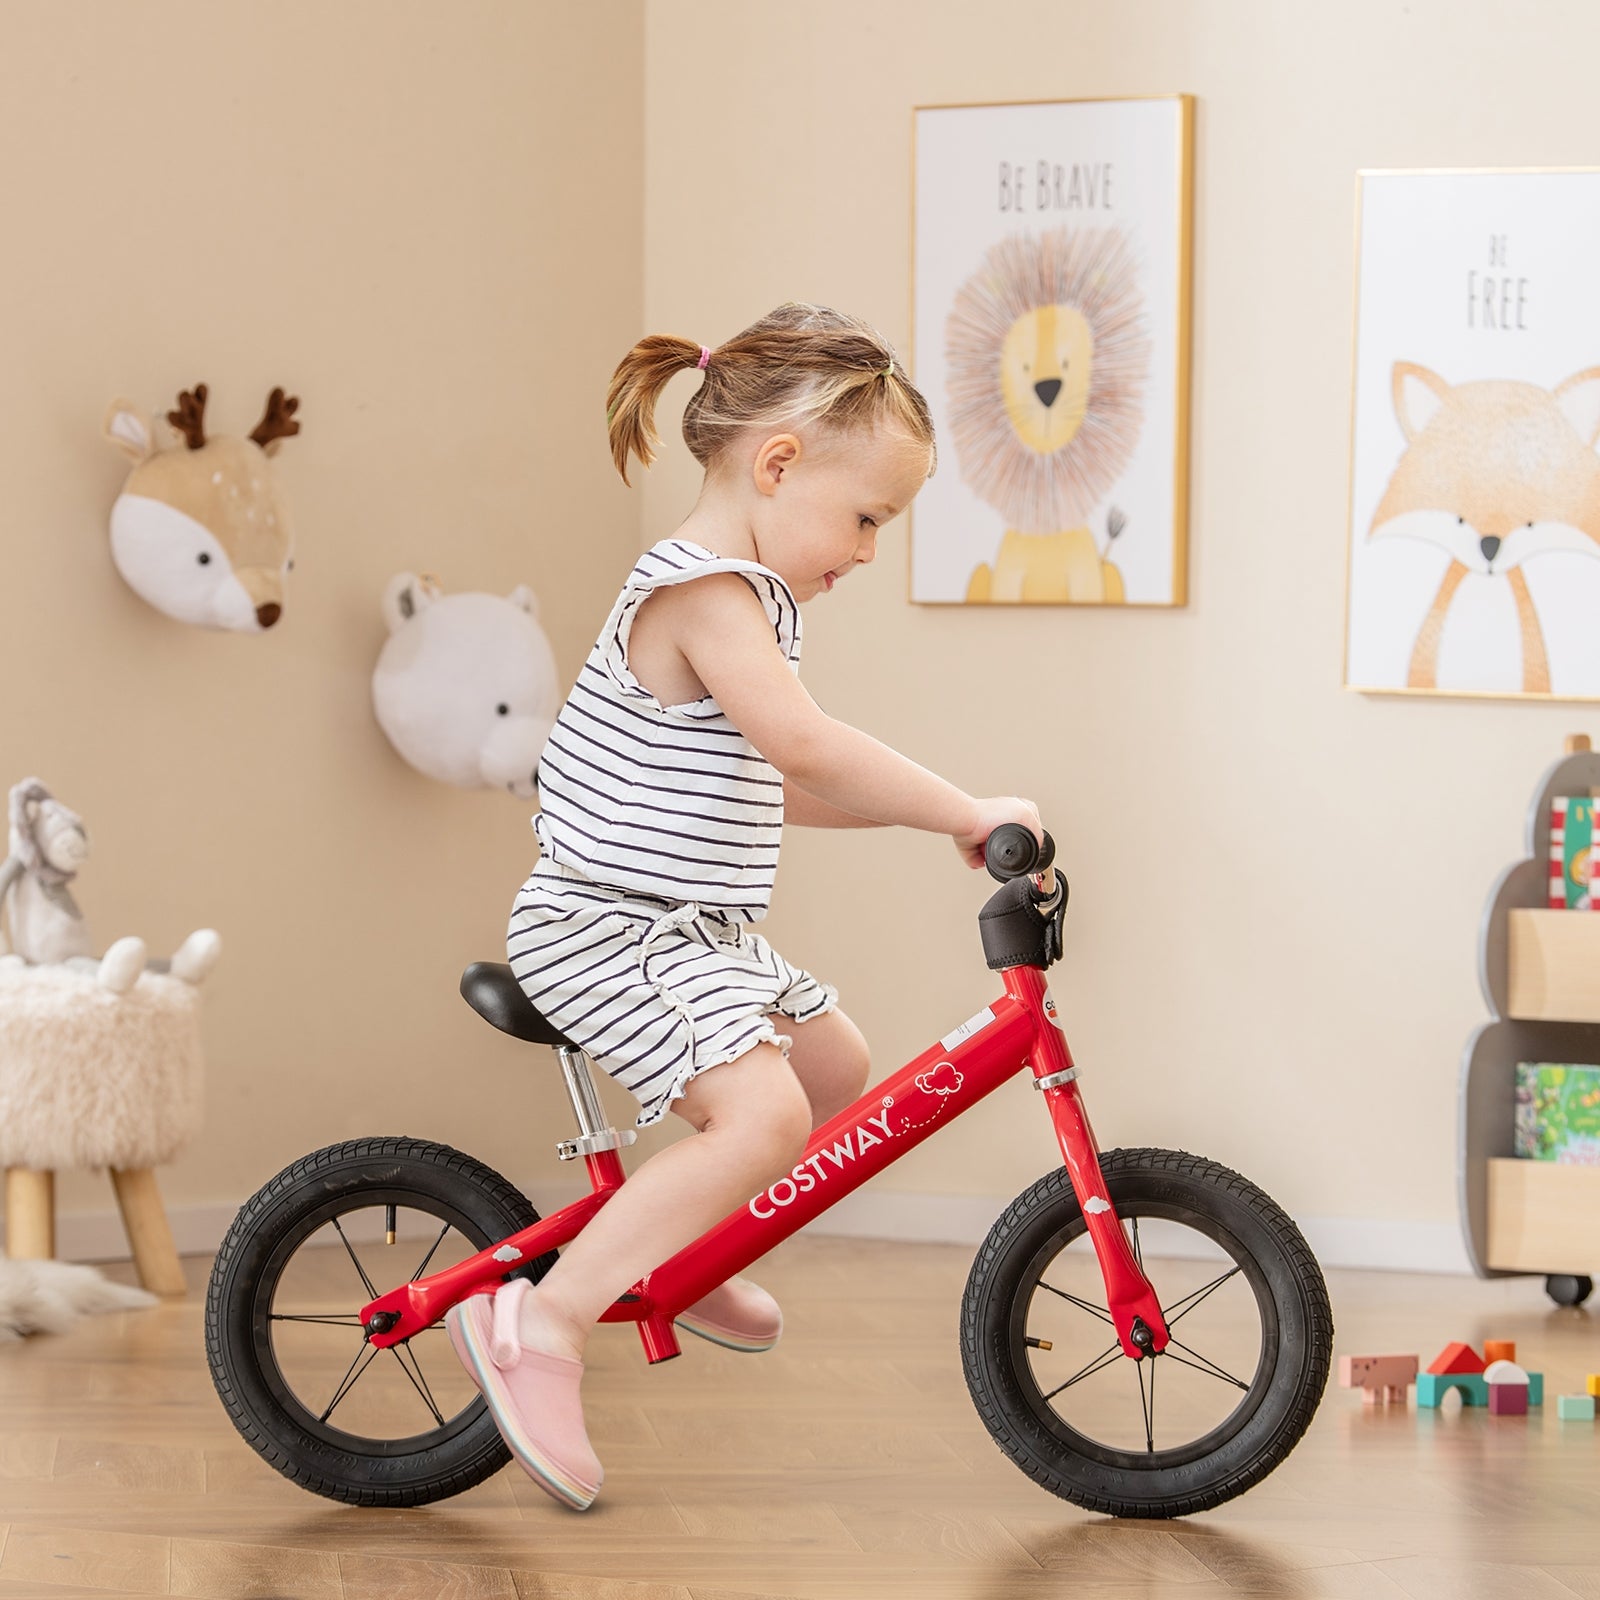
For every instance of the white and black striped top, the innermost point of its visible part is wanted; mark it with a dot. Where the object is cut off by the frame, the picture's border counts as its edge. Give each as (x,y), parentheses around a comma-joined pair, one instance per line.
(666,801)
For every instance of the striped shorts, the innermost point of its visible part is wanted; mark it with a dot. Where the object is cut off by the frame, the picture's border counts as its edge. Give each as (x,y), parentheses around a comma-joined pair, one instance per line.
(655,991)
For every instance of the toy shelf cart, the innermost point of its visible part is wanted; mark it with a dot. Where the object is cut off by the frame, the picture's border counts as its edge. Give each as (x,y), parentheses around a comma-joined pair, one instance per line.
(1540,971)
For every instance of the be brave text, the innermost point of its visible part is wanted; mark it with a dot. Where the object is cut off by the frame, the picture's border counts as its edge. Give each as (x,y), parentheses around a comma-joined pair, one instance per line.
(1055,186)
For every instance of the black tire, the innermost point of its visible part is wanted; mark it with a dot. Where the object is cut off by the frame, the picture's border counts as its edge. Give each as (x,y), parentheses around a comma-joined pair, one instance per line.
(1277,1273)
(376,1468)
(1568,1289)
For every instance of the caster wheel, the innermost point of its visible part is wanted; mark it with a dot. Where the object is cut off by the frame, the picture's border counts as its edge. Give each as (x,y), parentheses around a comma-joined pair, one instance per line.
(1568,1290)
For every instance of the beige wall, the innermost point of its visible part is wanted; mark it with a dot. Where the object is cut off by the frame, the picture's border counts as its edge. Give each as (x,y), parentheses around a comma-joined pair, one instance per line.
(438,225)
(1277,883)
(424,220)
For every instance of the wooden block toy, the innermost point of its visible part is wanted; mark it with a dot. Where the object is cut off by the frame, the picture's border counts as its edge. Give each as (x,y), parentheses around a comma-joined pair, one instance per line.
(1508,1399)
(1454,1359)
(1592,1383)
(1575,1407)
(1432,1387)
(1380,1378)
(1499,1350)
(1510,1389)
(1535,1388)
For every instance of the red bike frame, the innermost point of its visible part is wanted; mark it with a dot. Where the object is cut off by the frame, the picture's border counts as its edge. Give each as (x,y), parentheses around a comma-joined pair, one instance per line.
(1020,1029)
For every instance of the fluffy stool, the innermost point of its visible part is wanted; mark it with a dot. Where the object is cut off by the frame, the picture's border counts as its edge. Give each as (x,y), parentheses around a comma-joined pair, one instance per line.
(89,1078)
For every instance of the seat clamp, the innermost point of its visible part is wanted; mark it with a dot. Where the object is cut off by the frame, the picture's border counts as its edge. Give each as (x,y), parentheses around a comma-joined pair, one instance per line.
(1056,1079)
(591,1144)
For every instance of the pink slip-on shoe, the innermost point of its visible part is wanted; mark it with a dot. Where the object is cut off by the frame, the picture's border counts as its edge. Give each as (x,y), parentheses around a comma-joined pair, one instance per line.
(738,1314)
(532,1397)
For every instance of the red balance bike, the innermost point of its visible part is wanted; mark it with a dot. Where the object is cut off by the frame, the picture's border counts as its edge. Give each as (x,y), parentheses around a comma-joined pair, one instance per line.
(1144,1332)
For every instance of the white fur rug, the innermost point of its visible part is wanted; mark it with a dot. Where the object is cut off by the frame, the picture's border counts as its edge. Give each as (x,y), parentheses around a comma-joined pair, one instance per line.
(49,1296)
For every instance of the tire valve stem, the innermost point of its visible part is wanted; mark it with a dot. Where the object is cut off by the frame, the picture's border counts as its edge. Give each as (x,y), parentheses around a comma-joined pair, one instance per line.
(1036,1344)
(388,1224)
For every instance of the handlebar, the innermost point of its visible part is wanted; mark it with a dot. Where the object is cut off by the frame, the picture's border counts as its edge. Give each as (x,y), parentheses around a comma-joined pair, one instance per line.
(1011,851)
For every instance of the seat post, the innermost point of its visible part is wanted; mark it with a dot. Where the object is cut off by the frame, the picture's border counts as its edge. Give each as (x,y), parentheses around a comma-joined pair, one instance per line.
(594,1132)
(581,1091)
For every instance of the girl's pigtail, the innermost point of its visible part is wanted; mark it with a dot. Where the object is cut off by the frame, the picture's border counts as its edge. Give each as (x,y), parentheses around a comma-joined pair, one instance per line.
(640,377)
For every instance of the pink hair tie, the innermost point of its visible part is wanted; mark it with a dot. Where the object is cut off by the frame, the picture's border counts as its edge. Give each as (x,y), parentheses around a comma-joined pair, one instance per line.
(705,356)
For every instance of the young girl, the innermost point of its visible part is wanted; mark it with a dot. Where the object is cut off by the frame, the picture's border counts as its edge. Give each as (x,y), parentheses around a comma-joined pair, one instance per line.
(684,747)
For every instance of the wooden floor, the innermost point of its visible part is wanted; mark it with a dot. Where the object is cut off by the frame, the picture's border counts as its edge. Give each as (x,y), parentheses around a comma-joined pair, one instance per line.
(846,1463)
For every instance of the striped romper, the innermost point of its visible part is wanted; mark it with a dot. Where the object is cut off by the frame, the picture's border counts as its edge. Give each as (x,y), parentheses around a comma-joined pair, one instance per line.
(658,833)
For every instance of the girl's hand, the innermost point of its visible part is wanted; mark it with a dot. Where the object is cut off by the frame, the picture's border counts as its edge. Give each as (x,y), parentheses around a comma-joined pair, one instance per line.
(991,813)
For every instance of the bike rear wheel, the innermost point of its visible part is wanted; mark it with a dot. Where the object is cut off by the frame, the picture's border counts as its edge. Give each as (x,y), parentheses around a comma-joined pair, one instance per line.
(1251,1325)
(380,1427)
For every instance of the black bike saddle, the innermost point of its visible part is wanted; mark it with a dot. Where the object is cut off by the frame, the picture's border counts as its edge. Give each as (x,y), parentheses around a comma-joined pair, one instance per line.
(491,990)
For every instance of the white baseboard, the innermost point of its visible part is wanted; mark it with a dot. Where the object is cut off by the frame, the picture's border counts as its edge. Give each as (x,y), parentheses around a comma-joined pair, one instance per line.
(866,1214)
(965,1219)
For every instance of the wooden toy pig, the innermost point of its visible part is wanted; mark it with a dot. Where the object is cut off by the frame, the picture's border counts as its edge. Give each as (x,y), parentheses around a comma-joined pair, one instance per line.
(1380,1378)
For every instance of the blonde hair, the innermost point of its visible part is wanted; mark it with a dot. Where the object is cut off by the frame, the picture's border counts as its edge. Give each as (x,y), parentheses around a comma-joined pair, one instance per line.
(799,365)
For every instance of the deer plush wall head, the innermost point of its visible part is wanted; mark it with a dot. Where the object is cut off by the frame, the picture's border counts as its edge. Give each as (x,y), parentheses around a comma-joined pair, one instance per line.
(201,529)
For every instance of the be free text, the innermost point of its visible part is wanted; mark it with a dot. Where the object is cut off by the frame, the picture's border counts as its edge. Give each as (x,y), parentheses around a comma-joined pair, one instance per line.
(1496,299)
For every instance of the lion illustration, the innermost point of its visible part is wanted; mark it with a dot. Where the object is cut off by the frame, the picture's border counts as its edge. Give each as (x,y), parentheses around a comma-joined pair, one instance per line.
(1048,355)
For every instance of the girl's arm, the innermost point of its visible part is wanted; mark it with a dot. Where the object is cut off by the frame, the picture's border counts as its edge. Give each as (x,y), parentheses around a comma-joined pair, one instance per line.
(719,625)
(807,811)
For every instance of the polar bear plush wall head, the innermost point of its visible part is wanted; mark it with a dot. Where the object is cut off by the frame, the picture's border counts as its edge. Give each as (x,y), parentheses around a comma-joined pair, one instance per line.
(465,686)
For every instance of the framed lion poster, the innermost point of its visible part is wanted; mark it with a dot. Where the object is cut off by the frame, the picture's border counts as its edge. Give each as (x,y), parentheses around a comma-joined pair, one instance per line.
(1474,539)
(1050,334)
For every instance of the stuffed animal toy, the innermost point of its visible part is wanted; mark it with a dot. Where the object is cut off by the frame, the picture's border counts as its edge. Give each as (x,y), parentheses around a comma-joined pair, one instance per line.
(48,845)
(465,686)
(202,530)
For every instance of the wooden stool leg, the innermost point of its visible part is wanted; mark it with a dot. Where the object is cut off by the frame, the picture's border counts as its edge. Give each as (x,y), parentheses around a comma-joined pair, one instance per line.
(30,1214)
(149,1233)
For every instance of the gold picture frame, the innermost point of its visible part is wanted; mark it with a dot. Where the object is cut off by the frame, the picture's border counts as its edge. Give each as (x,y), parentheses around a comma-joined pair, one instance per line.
(1074,286)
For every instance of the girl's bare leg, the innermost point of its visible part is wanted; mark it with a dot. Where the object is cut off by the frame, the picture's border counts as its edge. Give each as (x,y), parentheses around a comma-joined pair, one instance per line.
(753,1120)
(830,1059)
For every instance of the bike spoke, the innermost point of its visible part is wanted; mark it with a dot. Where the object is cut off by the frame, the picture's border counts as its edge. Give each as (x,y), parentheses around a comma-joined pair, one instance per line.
(327,1321)
(1082,1305)
(430,1255)
(418,1382)
(1138,1254)
(1099,1364)
(363,1360)
(1148,1407)
(1205,1364)
(372,1294)
(1172,1313)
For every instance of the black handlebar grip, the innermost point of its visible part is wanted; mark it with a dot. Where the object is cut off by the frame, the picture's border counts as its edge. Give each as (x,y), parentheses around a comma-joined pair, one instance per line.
(1011,851)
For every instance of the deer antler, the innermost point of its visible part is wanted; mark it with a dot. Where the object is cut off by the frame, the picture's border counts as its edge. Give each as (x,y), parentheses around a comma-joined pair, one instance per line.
(190,417)
(278,421)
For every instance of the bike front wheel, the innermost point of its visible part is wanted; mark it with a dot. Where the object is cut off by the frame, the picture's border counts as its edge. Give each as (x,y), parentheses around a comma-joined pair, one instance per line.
(1251,1339)
(399,1426)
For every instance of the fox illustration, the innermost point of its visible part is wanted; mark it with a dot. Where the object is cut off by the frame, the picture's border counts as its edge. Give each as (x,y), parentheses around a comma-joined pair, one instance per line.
(1495,472)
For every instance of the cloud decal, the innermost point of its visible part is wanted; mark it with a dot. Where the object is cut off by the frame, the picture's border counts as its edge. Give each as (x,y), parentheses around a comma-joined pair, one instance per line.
(1095,1205)
(943,1079)
(508,1252)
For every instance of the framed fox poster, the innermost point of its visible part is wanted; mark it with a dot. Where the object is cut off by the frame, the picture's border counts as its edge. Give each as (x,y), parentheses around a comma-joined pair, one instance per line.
(1050,334)
(1474,556)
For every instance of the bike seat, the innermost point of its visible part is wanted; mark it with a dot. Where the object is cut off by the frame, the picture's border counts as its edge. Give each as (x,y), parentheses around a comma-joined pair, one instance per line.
(491,990)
